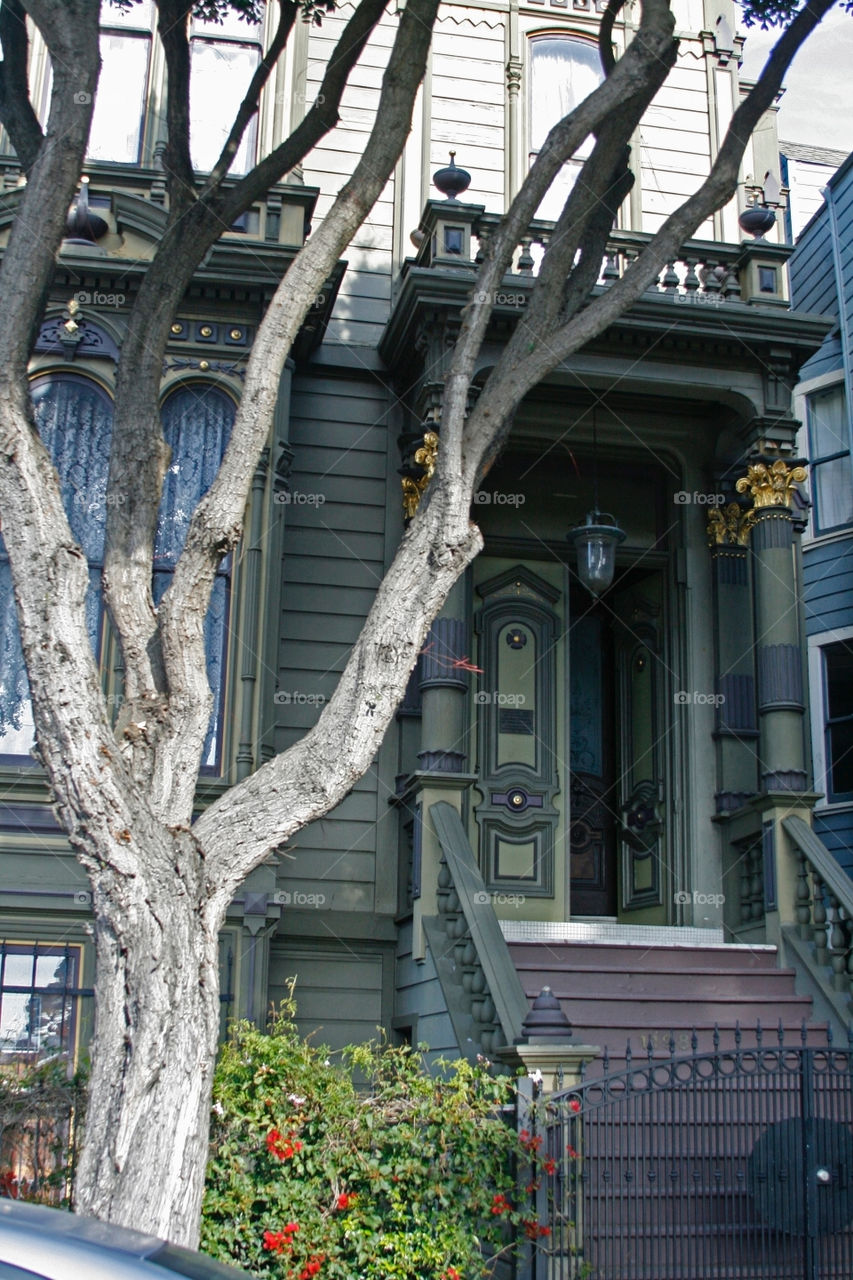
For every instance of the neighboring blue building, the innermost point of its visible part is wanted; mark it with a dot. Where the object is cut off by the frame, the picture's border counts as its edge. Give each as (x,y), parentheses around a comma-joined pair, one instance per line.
(822,281)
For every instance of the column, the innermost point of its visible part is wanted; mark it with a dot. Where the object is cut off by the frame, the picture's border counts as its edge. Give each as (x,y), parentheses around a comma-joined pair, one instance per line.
(736,730)
(779,661)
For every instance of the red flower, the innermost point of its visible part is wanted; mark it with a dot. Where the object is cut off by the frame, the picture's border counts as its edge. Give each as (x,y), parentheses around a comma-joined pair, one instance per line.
(550,1166)
(574,1105)
(344,1201)
(280,1147)
(574,1154)
(500,1204)
(312,1267)
(451,1274)
(524,1135)
(275,1241)
(533,1230)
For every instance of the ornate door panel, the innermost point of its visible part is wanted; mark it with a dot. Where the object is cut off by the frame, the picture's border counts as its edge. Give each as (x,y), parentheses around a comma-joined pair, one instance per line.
(516,733)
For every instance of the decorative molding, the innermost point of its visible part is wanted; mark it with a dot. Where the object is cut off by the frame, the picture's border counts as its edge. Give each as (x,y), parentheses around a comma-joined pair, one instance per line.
(74,336)
(176,364)
(773,485)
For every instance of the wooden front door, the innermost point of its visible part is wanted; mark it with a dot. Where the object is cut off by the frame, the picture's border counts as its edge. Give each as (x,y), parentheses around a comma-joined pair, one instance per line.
(592,772)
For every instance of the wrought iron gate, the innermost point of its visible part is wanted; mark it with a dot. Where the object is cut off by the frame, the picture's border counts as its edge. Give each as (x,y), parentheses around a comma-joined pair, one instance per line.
(730,1165)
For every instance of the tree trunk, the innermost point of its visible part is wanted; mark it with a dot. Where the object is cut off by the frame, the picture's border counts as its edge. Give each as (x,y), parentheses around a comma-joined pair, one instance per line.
(145,1141)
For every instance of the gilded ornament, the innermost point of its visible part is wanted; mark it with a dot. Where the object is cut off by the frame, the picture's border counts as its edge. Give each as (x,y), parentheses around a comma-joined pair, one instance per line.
(771,486)
(425,457)
(730,526)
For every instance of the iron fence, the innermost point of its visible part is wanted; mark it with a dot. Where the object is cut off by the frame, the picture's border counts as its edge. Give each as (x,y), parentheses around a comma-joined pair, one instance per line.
(735,1164)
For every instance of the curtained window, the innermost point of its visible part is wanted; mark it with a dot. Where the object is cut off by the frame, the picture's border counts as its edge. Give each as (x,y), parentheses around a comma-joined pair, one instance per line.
(74,418)
(197,421)
(829,454)
(838,711)
(563,71)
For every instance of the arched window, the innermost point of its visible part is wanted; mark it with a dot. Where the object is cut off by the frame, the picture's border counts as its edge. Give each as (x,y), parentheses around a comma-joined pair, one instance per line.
(563,71)
(74,417)
(197,421)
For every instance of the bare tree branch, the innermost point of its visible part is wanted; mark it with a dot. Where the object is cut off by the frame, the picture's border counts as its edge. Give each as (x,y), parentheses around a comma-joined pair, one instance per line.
(139,456)
(286,18)
(651,46)
(503,394)
(16,111)
(172,23)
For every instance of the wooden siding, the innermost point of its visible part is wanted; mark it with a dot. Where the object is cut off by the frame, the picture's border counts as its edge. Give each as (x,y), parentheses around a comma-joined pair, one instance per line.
(828,586)
(468,101)
(342,991)
(333,560)
(675,144)
(836,832)
(420,1000)
(363,303)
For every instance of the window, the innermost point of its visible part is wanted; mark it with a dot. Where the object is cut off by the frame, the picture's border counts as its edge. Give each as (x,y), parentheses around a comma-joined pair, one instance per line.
(829,454)
(117,122)
(74,417)
(224,58)
(39,998)
(563,71)
(838,692)
(197,421)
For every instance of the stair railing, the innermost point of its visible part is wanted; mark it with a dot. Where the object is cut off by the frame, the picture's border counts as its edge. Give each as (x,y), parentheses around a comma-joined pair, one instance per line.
(823,907)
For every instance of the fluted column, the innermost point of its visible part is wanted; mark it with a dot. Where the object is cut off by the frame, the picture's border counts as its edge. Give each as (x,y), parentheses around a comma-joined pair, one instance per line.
(779,663)
(444,689)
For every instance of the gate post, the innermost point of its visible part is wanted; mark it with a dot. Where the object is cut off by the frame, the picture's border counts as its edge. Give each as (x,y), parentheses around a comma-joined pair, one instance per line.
(551,1061)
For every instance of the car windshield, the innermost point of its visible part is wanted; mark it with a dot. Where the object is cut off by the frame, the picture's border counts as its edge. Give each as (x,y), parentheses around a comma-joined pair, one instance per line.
(184,1262)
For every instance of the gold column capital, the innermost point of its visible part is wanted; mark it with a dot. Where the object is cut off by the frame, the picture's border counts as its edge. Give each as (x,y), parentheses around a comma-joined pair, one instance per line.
(425,457)
(771,485)
(729,526)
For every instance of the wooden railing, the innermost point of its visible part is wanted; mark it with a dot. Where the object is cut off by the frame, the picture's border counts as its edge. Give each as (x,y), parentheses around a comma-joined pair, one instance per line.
(823,910)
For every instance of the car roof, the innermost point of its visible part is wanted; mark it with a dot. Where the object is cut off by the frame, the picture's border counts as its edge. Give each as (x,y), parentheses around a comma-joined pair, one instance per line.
(52,1242)
(56,1222)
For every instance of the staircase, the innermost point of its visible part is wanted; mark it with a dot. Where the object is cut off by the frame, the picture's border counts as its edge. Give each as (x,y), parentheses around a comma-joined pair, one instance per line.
(648,993)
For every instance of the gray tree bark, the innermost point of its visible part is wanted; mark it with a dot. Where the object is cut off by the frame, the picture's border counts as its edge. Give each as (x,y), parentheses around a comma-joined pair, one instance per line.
(161,884)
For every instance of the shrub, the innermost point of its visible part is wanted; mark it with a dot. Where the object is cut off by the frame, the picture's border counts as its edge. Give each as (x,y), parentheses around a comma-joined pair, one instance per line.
(366,1168)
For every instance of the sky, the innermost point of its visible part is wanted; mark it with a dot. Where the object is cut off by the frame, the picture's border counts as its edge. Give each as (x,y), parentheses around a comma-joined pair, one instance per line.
(816,108)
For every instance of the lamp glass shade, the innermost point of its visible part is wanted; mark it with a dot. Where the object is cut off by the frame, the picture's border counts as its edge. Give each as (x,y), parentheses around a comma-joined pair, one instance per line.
(595,543)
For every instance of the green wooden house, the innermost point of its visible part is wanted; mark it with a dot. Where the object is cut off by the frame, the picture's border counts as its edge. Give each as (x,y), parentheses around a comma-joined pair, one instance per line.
(607,794)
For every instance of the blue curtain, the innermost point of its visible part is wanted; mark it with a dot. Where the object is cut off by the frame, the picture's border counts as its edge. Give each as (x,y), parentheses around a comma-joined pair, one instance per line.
(74,418)
(197,423)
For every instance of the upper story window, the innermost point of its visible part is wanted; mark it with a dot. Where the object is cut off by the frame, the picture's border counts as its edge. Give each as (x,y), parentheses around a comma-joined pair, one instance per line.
(838,695)
(829,455)
(119,115)
(563,71)
(224,58)
(74,417)
(197,421)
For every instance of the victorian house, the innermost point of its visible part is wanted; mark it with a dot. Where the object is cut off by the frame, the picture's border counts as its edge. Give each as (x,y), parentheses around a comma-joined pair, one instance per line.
(608,793)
